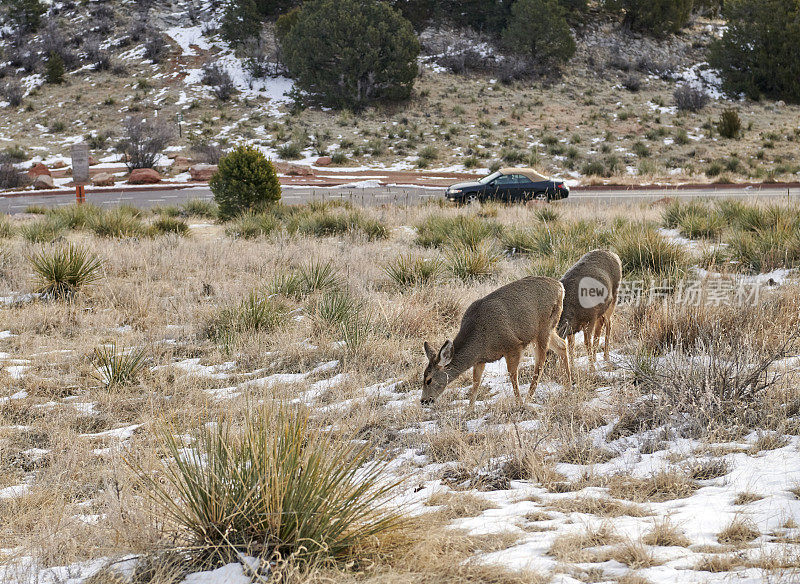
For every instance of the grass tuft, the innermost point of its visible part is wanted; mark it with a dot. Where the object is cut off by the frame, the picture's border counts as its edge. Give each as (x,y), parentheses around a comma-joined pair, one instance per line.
(62,272)
(274,488)
(118,367)
(407,270)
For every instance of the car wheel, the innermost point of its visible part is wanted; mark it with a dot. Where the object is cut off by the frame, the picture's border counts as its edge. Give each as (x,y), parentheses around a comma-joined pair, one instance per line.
(471,199)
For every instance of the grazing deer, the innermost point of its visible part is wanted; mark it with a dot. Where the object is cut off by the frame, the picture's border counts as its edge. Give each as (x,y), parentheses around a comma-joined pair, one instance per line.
(591,288)
(500,325)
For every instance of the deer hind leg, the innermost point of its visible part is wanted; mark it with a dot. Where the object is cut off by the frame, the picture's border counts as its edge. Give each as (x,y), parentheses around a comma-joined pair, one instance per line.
(477,373)
(560,347)
(539,353)
(588,341)
(512,362)
(570,339)
(598,329)
(607,317)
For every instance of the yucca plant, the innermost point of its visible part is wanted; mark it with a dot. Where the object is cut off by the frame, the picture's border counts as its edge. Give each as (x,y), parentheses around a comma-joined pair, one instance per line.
(274,488)
(119,222)
(643,250)
(251,225)
(45,230)
(200,208)
(520,241)
(62,271)
(254,313)
(407,270)
(6,228)
(166,210)
(166,224)
(705,224)
(336,307)
(118,367)
(75,216)
(547,215)
(462,230)
(318,275)
(472,263)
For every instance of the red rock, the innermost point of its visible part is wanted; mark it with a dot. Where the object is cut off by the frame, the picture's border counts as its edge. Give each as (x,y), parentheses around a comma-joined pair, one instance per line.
(323,161)
(38,169)
(297,170)
(43,182)
(143,176)
(103,179)
(59,164)
(203,172)
(93,161)
(181,164)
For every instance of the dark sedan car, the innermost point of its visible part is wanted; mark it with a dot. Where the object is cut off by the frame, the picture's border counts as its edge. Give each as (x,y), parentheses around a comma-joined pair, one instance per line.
(509,185)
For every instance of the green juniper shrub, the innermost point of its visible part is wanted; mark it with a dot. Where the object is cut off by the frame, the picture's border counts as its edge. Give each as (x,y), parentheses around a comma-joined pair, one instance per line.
(350,53)
(245,181)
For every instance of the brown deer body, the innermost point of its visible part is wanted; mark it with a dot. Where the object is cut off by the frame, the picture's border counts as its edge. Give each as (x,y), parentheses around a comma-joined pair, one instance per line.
(500,325)
(591,289)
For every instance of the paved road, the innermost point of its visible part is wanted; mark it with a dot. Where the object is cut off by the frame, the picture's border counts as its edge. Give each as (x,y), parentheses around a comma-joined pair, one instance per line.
(383,195)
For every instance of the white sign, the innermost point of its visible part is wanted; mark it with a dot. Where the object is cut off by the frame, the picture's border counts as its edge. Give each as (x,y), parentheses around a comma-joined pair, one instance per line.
(80,163)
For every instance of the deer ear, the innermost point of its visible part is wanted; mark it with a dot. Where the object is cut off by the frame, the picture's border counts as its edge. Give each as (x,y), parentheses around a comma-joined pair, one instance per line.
(446,353)
(429,351)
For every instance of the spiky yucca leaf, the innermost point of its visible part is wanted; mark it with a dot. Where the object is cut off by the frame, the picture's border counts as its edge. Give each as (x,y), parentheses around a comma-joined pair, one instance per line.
(62,271)
(407,270)
(118,367)
(273,487)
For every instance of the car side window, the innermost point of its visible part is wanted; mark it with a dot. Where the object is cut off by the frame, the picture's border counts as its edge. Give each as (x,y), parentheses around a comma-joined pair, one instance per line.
(520,179)
(506,179)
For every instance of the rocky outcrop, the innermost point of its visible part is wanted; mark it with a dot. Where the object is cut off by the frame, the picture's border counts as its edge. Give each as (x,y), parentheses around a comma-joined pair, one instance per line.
(103,179)
(43,182)
(38,169)
(143,176)
(181,164)
(203,172)
(323,161)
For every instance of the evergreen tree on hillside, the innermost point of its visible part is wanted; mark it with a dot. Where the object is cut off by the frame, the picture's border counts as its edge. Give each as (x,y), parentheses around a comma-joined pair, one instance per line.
(538,30)
(241,21)
(26,15)
(489,16)
(657,17)
(760,50)
(272,9)
(352,52)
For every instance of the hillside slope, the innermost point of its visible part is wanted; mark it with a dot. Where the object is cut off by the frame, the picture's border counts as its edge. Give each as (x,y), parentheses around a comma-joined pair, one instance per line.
(611,114)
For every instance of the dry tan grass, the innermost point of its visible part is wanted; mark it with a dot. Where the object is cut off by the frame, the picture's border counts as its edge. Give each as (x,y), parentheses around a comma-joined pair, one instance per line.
(457,505)
(599,506)
(158,293)
(746,497)
(660,486)
(718,563)
(665,534)
(635,555)
(579,547)
(739,532)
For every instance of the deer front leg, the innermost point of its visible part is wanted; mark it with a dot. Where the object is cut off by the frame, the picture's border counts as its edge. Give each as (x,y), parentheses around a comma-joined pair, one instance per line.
(477,373)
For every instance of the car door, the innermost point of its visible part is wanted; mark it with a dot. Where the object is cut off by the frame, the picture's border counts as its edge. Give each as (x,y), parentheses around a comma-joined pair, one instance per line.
(503,187)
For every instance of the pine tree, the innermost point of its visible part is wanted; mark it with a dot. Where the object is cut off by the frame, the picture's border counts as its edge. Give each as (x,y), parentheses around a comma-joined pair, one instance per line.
(759,54)
(241,21)
(26,14)
(351,53)
(54,69)
(538,30)
(657,17)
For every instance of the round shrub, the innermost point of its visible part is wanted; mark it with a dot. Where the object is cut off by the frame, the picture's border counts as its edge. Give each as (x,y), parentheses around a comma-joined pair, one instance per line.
(245,181)
(539,32)
(350,53)
(658,17)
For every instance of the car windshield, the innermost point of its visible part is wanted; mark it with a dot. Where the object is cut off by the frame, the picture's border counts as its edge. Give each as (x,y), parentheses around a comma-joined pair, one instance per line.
(490,178)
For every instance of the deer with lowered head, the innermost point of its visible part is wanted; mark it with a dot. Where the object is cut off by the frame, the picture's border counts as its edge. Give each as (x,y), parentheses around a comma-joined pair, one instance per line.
(591,288)
(500,325)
